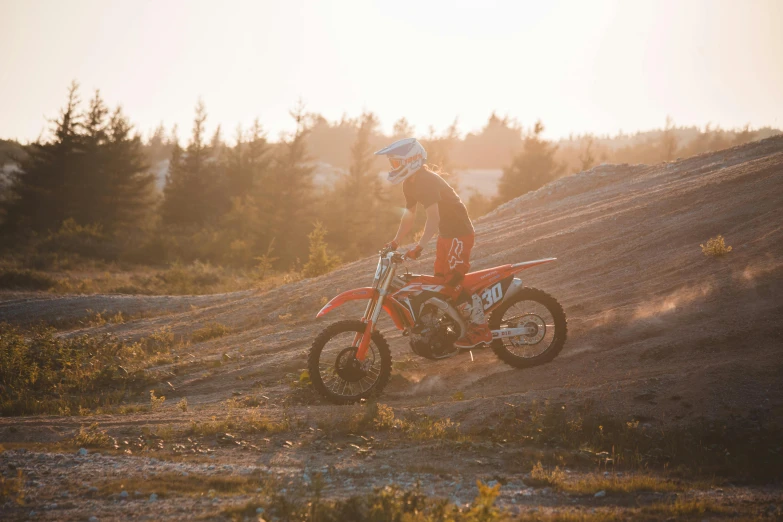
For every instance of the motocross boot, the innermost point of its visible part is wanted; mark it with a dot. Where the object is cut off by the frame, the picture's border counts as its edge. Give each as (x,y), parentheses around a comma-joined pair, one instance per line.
(478,329)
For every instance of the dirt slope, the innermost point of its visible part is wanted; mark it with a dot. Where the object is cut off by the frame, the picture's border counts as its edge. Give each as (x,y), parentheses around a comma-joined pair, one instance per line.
(657,331)
(648,312)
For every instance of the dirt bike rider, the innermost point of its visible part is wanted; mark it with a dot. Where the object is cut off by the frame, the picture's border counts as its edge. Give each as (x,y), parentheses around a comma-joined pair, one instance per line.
(446,216)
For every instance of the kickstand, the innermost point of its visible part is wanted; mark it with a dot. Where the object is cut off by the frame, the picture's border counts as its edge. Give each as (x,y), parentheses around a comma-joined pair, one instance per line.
(471,355)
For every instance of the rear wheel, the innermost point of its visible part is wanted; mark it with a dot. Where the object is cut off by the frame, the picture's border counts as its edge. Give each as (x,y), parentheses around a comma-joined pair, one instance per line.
(335,371)
(545,320)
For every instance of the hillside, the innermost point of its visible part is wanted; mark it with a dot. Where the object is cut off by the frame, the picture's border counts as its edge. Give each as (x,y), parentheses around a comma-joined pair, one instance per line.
(658,332)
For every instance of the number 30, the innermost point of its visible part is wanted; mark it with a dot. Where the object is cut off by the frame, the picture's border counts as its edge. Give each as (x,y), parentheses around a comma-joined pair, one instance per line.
(492,295)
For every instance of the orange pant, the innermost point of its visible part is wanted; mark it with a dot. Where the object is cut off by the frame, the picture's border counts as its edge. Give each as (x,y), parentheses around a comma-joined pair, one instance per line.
(452,257)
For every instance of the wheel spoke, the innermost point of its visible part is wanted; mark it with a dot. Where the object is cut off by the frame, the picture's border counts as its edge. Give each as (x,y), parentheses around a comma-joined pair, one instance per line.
(336,358)
(533,315)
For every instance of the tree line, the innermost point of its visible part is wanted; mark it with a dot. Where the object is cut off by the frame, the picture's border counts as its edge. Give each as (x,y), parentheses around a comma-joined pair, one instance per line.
(88,190)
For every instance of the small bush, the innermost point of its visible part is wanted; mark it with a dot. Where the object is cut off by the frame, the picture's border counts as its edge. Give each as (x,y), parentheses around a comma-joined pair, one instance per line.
(44,373)
(161,340)
(183,405)
(320,261)
(92,437)
(384,417)
(375,416)
(540,477)
(715,247)
(431,429)
(86,241)
(210,331)
(155,401)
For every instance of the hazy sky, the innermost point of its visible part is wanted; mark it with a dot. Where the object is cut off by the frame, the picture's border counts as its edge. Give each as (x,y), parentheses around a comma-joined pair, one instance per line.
(580,66)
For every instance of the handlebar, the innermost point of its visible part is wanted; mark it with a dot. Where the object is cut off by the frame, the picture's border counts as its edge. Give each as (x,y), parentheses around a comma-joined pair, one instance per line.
(397,257)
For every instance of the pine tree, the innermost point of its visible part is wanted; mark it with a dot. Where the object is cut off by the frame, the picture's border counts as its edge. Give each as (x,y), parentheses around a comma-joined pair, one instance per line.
(91,174)
(83,200)
(286,197)
(247,162)
(194,194)
(158,146)
(586,157)
(402,129)
(130,187)
(439,149)
(669,140)
(174,189)
(47,176)
(531,169)
(358,196)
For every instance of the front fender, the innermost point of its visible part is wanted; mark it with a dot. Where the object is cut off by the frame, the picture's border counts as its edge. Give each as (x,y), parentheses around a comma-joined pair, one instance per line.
(350,295)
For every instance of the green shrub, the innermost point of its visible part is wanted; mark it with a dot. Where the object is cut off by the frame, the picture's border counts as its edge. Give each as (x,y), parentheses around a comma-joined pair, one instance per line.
(320,261)
(44,373)
(83,240)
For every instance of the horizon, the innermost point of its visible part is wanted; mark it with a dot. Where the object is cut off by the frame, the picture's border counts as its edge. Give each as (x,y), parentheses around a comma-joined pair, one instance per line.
(603,68)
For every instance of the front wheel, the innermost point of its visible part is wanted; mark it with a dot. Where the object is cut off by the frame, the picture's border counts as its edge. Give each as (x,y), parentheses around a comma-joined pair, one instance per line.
(545,320)
(335,371)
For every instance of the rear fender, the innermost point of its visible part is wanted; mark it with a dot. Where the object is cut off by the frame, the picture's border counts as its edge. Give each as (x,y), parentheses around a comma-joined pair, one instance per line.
(350,295)
(516,283)
(518,267)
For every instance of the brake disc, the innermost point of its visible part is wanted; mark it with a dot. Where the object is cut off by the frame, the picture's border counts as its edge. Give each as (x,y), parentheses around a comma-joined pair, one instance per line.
(348,367)
(536,328)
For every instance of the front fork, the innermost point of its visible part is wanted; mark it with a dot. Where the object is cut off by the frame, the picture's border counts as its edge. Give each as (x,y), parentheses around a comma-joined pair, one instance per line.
(371,314)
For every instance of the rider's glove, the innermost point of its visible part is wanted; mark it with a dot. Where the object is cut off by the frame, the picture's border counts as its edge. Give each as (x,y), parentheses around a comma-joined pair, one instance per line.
(414,252)
(391,245)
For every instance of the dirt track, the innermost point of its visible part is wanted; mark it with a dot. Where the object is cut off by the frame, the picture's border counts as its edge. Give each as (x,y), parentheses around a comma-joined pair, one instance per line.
(657,330)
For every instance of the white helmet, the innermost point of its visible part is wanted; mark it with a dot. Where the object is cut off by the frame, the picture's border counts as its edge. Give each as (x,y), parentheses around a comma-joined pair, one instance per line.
(405,156)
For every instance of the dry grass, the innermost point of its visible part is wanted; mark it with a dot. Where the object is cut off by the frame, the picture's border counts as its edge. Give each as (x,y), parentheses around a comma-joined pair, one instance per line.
(209,331)
(389,503)
(573,515)
(92,437)
(170,484)
(545,478)
(12,488)
(381,417)
(244,422)
(702,448)
(614,484)
(25,279)
(684,509)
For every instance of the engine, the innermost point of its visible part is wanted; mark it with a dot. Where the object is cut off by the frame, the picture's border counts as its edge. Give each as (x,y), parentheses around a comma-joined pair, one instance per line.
(434,335)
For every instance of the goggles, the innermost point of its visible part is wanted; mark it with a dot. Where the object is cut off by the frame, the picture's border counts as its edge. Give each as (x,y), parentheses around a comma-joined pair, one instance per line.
(395,163)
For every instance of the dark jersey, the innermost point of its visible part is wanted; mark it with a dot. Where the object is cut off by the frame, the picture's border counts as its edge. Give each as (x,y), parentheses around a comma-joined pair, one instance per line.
(428,188)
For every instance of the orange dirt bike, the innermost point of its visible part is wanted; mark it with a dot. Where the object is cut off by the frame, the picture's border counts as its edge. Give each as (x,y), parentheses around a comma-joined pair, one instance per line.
(350,360)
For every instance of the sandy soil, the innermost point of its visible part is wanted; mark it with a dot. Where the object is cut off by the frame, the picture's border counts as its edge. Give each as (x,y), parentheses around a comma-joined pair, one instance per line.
(657,332)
